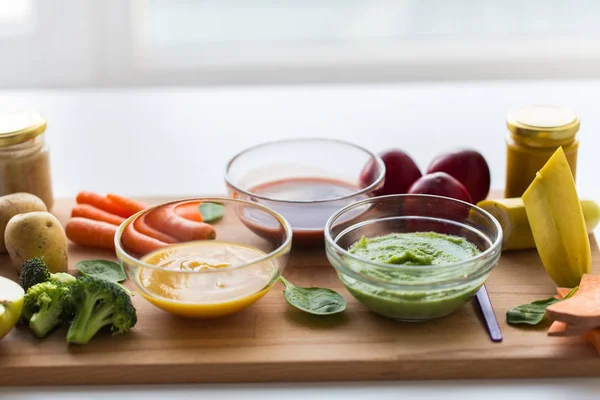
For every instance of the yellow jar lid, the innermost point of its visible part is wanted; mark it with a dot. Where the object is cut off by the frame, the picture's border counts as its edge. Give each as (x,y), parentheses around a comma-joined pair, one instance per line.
(19,126)
(543,125)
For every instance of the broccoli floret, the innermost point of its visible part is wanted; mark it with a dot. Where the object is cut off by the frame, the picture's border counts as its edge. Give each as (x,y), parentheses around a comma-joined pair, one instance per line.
(46,305)
(63,277)
(99,303)
(36,271)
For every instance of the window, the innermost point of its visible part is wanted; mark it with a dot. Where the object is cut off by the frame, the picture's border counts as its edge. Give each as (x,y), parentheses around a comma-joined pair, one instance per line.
(156,42)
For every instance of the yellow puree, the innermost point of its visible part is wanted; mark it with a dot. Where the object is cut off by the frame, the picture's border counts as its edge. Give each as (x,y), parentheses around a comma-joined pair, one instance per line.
(219,290)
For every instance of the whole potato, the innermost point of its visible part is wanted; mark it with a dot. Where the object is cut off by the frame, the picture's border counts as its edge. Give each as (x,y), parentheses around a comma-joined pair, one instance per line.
(13,204)
(37,234)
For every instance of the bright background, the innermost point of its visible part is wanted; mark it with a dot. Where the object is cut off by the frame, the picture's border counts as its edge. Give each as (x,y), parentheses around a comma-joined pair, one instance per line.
(82,43)
(122,84)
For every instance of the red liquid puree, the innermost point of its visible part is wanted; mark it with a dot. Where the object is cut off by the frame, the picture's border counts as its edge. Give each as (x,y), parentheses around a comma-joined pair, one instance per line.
(307,218)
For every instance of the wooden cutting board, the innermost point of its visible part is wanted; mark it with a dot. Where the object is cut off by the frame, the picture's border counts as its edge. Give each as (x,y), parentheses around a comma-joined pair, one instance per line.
(272,342)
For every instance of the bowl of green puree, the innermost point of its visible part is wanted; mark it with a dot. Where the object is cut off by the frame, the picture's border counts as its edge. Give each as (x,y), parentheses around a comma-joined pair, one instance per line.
(413,257)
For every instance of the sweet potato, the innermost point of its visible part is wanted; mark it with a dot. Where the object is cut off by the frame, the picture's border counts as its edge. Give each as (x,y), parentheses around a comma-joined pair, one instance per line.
(559,328)
(561,292)
(584,308)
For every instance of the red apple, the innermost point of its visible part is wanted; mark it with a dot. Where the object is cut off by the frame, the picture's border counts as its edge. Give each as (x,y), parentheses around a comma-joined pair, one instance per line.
(468,167)
(440,184)
(401,171)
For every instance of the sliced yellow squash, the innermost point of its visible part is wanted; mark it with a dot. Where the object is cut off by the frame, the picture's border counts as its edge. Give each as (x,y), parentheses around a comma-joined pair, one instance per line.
(516,232)
(556,220)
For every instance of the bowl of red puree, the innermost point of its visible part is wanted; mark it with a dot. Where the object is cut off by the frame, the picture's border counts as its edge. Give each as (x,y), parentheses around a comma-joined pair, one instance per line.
(304,180)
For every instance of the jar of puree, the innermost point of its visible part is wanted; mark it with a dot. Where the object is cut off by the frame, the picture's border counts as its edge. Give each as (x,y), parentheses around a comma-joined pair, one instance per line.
(24,155)
(535,133)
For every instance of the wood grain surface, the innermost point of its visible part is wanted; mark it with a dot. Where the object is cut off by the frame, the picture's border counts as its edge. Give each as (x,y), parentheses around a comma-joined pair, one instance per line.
(272,342)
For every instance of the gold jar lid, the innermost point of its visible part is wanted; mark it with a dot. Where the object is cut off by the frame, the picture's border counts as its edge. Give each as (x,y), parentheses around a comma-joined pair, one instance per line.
(543,125)
(19,126)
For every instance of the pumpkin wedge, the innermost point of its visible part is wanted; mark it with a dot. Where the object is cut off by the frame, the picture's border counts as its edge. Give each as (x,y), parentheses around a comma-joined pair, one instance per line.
(557,223)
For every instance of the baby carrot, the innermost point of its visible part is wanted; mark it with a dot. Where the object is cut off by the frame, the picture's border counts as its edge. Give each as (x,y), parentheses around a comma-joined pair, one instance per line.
(91,212)
(87,232)
(132,206)
(166,220)
(189,211)
(142,226)
(139,242)
(102,203)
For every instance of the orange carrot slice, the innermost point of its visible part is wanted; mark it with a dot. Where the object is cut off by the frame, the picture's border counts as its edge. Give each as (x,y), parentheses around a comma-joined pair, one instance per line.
(142,226)
(132,206)
(189,211)
(91,212)
(140,243)
(102,203)
(166,220)
(88,232)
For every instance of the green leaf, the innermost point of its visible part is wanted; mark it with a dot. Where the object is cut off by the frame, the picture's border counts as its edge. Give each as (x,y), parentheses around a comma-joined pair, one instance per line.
(211,211)
(571,293)
(317,301)
(102,269)
(533,313)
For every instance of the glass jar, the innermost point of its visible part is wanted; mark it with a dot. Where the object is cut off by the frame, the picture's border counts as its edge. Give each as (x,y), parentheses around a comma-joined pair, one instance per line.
(535,133)
(24,156)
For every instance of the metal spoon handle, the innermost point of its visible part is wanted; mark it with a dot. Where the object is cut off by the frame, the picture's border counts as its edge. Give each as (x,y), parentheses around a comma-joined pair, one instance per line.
(487,310)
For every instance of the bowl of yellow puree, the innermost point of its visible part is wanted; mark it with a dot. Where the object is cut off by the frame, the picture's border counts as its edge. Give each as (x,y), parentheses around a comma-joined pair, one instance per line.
(204,257)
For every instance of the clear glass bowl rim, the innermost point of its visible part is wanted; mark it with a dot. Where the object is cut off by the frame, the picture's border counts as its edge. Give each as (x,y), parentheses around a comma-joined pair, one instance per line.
(368,189)
(329,242)
(123,256)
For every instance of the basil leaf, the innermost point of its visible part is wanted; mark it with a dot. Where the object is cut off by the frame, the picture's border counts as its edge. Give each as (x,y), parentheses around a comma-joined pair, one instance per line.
(102,269)
(211,211)
(317,301)
(533,313)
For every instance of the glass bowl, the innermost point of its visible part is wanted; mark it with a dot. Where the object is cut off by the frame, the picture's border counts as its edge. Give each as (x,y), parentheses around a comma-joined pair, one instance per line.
(413,292)
(204,270)
(305,180)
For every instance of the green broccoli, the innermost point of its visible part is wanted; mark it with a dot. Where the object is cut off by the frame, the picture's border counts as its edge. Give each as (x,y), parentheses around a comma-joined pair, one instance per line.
(99,303)
(36,271)
(46,305)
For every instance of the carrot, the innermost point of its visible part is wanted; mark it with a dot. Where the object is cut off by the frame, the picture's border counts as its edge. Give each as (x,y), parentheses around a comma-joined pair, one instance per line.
(189,211)
(102,203)
(88,232)
(132,206)
(167,220)
(142,226)
(139,242)
(91,212)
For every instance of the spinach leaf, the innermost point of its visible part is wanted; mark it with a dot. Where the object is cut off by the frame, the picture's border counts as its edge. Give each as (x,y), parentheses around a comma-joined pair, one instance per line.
(533,313)
(211,211)
(102,269)
(317,301)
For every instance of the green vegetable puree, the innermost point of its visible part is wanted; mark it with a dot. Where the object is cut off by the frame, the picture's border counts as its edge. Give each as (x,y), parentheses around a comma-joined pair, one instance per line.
(420,248)
(420,296)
